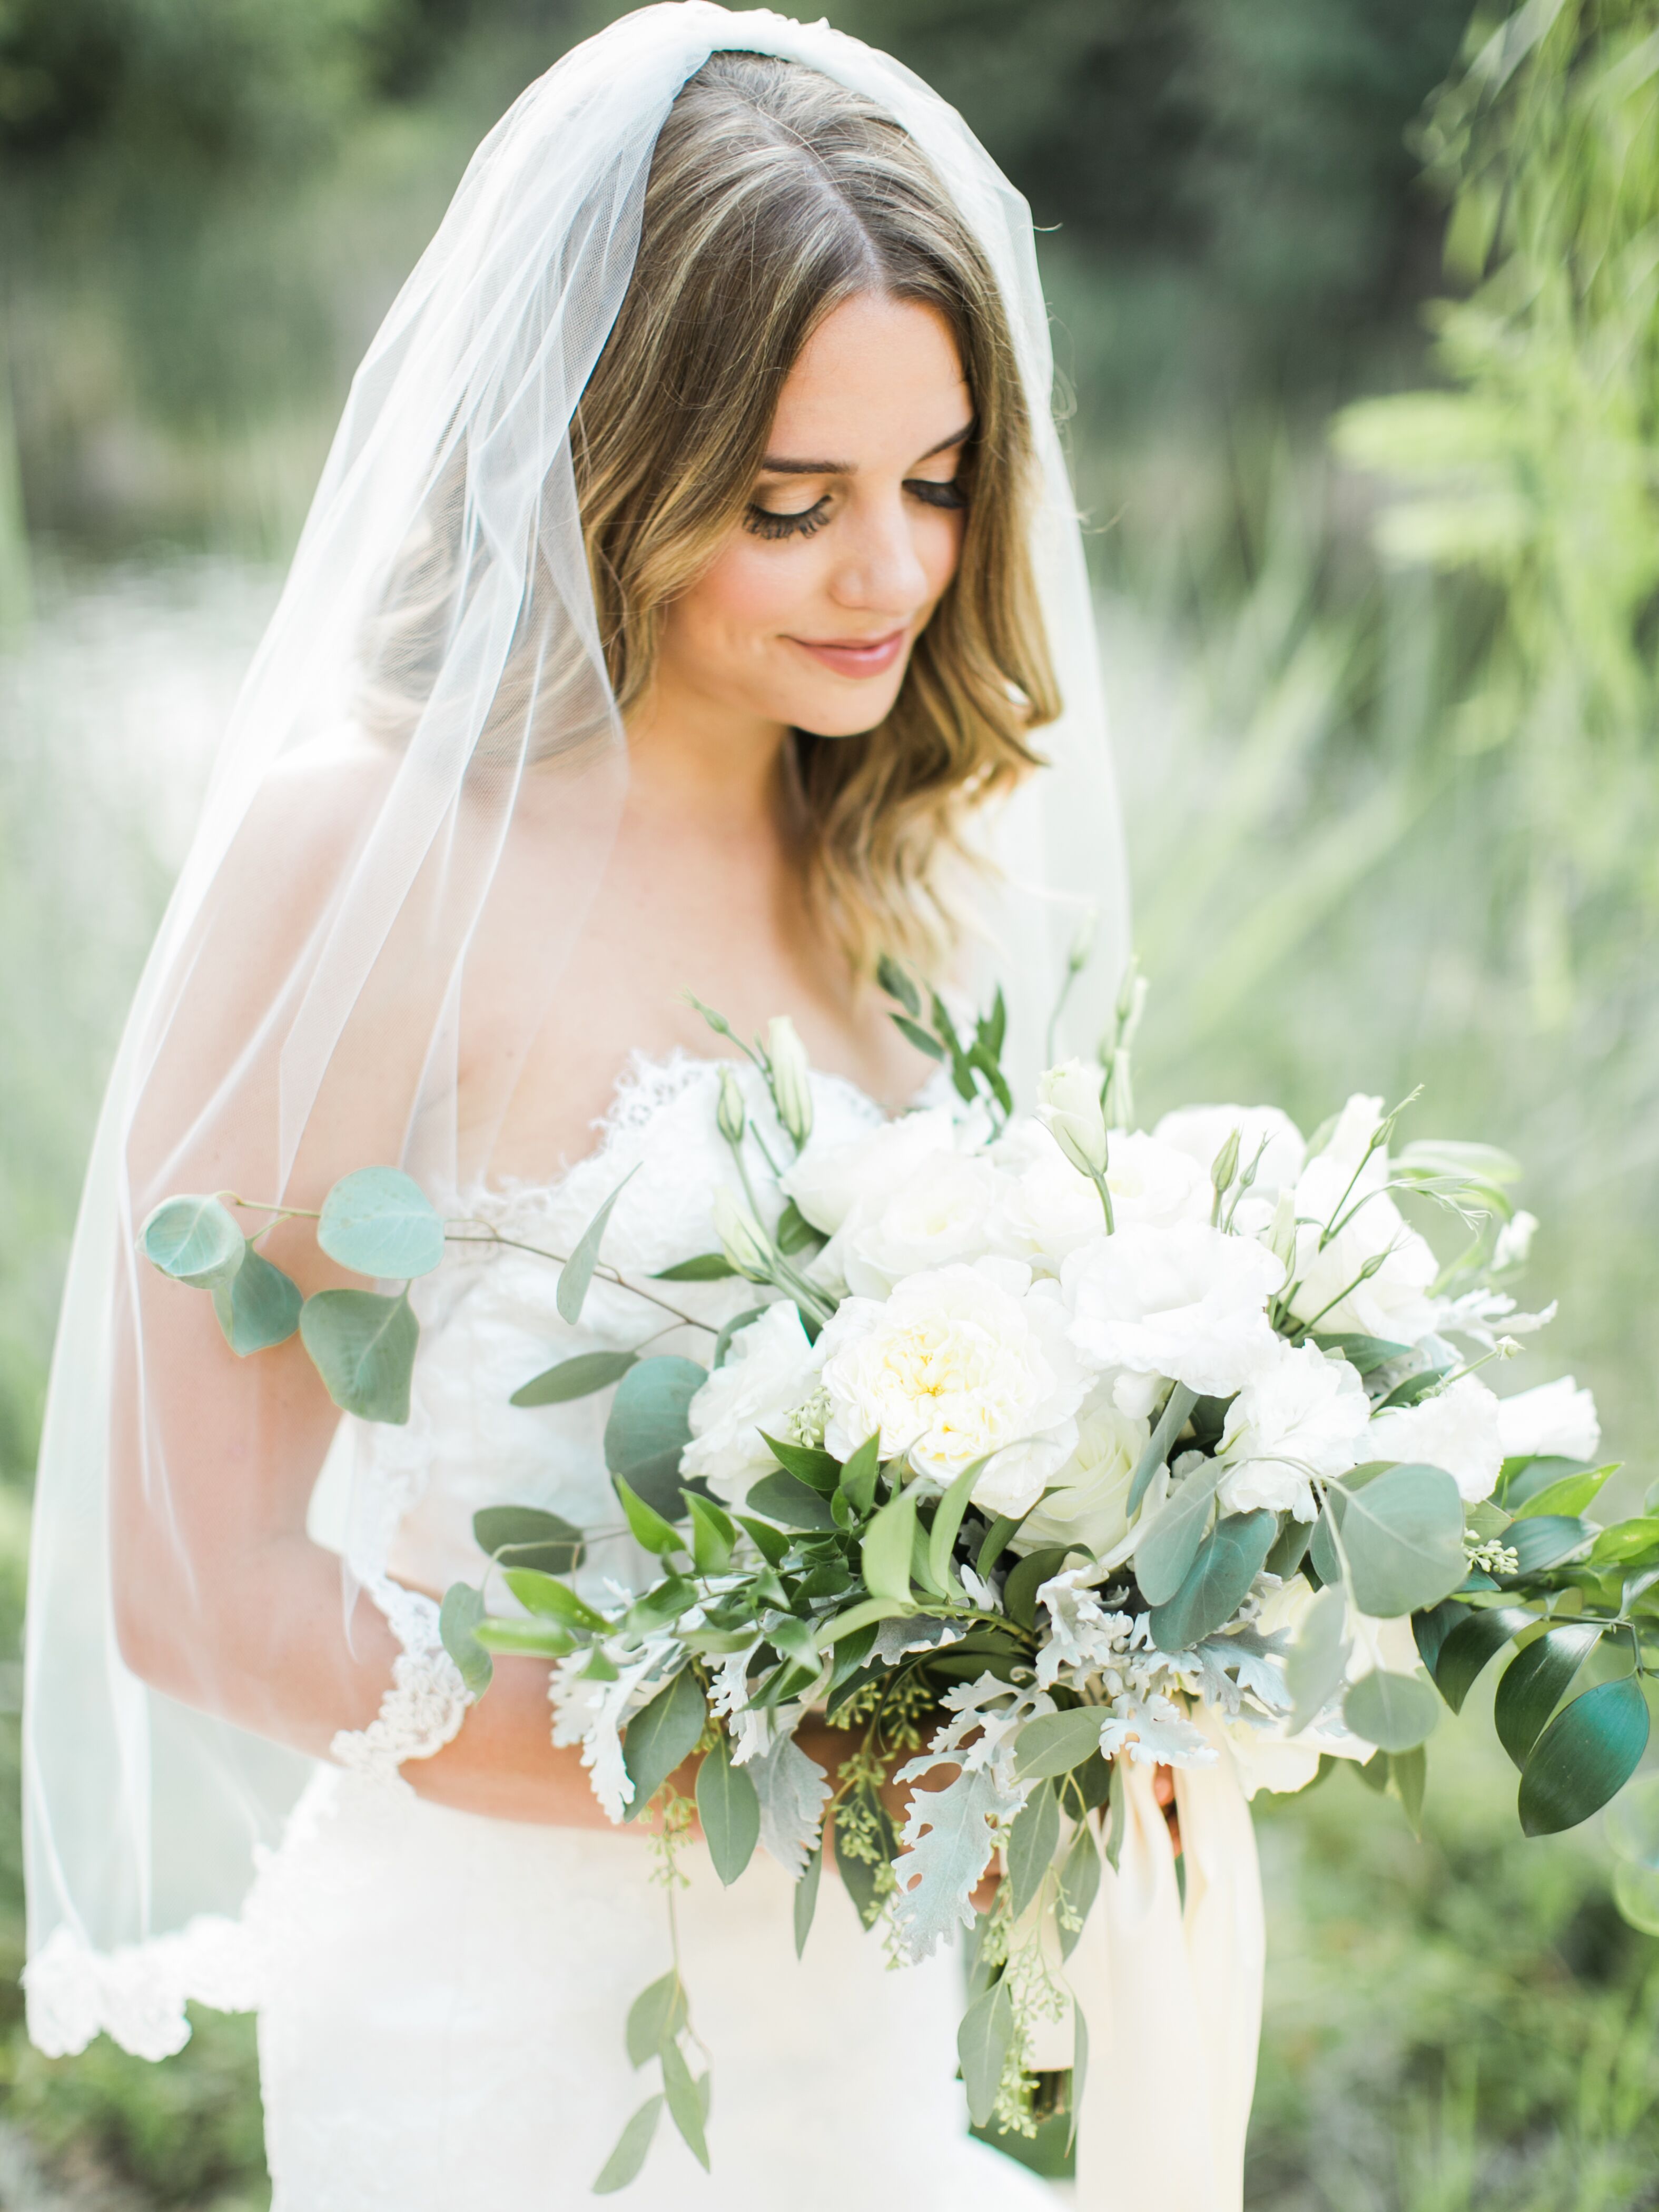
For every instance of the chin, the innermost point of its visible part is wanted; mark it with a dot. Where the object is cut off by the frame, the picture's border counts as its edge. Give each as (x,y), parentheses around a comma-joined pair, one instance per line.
(845,715)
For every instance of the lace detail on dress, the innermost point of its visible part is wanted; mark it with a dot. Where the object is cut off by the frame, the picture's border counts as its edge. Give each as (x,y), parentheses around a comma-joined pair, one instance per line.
(425,1705)
(137,1994)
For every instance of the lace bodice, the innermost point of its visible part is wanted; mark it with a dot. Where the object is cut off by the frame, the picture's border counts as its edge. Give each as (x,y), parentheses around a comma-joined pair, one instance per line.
(399,1501)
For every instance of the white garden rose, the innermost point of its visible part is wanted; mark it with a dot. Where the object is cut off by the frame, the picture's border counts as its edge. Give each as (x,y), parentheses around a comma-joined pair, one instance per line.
(1089,1503)
(827,1181)
(770,1369)
(1456,1429)
(1555,1421)
(939,1212)
(959,1364)
(1201,1131)
(1302,1415)
(1188,1302)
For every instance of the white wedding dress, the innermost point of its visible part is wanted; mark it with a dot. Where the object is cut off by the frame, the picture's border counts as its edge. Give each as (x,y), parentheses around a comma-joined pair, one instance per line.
(443,1995)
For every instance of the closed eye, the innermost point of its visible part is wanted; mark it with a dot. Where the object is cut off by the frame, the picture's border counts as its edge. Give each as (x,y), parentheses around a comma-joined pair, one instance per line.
(950,496)
(767,522)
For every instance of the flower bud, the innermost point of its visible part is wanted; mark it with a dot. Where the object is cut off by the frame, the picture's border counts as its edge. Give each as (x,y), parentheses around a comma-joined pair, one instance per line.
(1083,944)
(729,1114)
(790,1077)
(742,1238)
(1225,1166)
(1068,1102)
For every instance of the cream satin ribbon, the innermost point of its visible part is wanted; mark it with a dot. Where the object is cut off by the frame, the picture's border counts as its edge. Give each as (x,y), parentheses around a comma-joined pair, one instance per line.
(1172,1999)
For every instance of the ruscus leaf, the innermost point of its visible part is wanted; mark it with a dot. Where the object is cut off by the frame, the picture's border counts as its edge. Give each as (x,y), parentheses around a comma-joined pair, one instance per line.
(1584,1757)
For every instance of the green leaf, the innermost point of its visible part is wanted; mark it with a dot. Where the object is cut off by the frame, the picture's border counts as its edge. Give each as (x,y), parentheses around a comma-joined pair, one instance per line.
(818,1470)
(1584,1757)
(790,1504)
(624,2162)
(996,1542)
(858,1477)
(885,1551)
(363,1346)
(728,1330)
(1546,1541)
(649,1428)
(574,1378)
(651,1532)
(1569,1495)
(1471,1643)
(462,1610)
(1289,1547)
(661,1735)
(728,1807)
(655,2017)
(1054,1744)
(771,1543)
(1170,1422)
(1633,1824)
(1430,1628)
(1409,1773)
(551,1600)
(1079,2062)
(1624,1541)
(1415,1388)
(713,1537)
(1403,1534)
(983,2042)
(1636,1893)
(1079,1882)
(379,1222)
(897,985)
(857,1617)
(947,1519)
(858,1875)
(1537,1681)
(259,1307)
(577,1271)
(1316,1663)
(794,1232)
(684,2101)
(194,1240)
(526,1639)
(705,1267)
(1363,1353)
(1218,1581)
(1169,1542)
(1032,1842)
(918,1036)
(1518,1480)
(1394,1711)
(525,1536)
(806,1894)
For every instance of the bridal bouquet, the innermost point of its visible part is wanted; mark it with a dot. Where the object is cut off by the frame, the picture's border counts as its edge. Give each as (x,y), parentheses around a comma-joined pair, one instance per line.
(1047,1444)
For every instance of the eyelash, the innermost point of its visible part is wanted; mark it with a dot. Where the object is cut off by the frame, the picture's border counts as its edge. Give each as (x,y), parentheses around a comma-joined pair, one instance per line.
(764,522)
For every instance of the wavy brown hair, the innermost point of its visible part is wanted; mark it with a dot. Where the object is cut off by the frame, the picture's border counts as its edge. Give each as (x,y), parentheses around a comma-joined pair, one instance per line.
(774,195)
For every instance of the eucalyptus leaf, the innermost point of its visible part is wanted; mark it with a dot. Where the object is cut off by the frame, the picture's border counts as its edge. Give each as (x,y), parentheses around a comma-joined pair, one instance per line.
(1465,1652)
(662,1734)
(574,1378)
(194,1240)
(783,1498)
(633,2144)
(1403,1534)
(363,1346)
(983,2042)
(728,1808)
(459,1616)
(379,1222)
(1079,2062)
(528,1536)
(684,2101)
(728,1330)
(1033,1840)
(1395,1712)
(577,1273)
(1176,1407)
(1289,1547)
(1054,1744)
(1218,1580)
(259,1307)
(806,1895)
(1316,1665)
(1170,1542)
(649,1427)
(655,2017)
(1547,1541)
(1408,1775)
(1535,1681)
(1363,1353)
(1079,1883)
(1584,1757)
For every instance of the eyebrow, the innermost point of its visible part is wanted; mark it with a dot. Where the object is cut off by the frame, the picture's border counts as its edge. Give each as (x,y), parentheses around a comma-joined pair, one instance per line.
(773,467)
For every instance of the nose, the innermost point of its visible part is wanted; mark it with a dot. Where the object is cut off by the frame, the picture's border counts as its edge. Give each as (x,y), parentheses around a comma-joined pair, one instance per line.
(880,570)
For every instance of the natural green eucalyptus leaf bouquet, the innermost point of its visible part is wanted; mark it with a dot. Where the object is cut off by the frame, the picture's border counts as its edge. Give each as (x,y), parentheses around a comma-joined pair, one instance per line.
(1050,1450)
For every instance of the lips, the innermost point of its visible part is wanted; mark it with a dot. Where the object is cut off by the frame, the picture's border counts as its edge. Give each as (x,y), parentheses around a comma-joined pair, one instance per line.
(856,656)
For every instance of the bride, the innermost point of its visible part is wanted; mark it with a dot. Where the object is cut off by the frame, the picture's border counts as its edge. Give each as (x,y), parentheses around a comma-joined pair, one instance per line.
(692,600)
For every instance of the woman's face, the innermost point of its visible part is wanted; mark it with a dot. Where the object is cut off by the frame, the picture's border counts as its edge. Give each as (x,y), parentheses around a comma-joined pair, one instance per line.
(808,612)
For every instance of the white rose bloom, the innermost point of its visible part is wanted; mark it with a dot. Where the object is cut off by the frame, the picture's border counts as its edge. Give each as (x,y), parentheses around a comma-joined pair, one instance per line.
(1555,1421)
(827,1181)
(1201,1131)
(1188,1302)
(770,1369)
(939,1212)
(959,1364)
(1090,1493)
(1303,1415)
(1456,1429)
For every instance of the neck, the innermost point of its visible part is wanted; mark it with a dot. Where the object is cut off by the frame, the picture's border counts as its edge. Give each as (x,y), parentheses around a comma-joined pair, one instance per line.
(702,756)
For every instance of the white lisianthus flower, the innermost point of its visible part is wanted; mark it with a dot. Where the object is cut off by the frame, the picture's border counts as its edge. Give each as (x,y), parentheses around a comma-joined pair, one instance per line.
(1201,1131)
(1188,1302)
(1343,1183)
(1045,1208)
(792,1078)
(1156,1183)
(1456,1429)
(1555,1421)
(1514,1240)
(1303,1415)
(941,1213)
(960,1363)
(1090,1495)
(1068,1101)
(770,1369)
(828,1180)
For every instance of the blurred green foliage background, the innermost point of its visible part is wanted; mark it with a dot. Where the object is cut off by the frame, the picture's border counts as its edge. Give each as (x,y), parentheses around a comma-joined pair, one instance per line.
(1355,305)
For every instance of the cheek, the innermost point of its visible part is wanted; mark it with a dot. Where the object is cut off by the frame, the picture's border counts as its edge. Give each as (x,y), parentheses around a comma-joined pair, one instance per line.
(746,595)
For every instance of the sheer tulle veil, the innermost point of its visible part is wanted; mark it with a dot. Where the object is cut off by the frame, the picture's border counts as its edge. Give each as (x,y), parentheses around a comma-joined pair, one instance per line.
(314,964)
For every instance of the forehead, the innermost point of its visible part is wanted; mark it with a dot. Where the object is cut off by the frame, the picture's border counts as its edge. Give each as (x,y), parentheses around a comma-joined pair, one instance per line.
(879,378)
